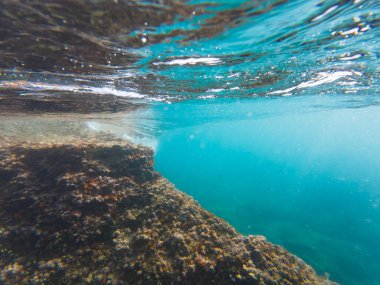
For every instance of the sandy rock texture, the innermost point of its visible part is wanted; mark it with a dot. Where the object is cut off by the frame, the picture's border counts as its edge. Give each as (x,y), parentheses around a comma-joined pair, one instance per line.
(99,214)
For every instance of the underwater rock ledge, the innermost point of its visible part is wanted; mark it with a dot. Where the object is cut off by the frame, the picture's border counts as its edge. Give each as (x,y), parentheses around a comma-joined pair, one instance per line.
(98,213)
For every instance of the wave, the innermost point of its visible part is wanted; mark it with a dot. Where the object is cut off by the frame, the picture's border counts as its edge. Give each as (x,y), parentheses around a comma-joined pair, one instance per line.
(174,50)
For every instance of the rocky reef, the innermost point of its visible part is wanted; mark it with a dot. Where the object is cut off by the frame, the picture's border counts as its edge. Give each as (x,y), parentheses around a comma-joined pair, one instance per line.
(98,213)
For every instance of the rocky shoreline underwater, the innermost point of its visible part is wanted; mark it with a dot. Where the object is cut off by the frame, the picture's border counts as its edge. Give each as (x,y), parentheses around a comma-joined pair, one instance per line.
(96,212)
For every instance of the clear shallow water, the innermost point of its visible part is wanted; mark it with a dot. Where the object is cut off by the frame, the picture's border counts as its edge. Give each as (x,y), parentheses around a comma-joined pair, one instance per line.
(265,111)
(301,171)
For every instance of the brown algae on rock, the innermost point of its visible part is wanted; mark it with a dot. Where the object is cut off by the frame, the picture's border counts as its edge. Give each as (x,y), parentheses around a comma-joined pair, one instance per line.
(98,213)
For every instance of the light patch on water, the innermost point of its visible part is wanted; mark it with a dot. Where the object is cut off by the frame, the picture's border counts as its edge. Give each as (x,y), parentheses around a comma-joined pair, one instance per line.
(192,61)
(206,97)
(113,91)
(322,78)
(216,90)
(237,74)
(328,11)
(351,57)
(365,29)
(42,86)
(350,32)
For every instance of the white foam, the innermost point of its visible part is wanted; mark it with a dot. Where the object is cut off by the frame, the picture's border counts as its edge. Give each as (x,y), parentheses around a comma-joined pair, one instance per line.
(328,11)
(192,61)
(322,78)
(39,86)
(215,90)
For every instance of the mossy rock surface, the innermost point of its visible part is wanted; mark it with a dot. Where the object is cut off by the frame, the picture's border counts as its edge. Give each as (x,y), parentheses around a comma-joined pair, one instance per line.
(99,214)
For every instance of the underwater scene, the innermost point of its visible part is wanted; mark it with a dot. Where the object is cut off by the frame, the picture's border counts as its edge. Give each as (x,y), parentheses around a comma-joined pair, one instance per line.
(190,142)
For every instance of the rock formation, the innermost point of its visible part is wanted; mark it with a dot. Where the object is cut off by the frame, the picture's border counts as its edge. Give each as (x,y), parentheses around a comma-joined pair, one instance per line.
(81,213)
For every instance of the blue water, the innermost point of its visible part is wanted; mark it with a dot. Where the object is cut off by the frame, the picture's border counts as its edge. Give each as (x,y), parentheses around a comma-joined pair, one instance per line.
(303,171)
(266,112)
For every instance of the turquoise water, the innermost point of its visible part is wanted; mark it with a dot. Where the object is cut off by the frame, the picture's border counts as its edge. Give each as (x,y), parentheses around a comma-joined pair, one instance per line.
(303,171)
(266,112)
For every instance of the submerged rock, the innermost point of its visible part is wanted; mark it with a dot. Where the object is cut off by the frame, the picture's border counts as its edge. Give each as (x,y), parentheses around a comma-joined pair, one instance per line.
(99,214)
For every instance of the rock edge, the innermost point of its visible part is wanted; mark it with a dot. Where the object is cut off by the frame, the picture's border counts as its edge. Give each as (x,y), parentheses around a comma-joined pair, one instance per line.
(98,213)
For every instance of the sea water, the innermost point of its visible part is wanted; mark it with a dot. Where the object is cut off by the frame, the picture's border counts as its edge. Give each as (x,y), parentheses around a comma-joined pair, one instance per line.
(266,112)
(303,171)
